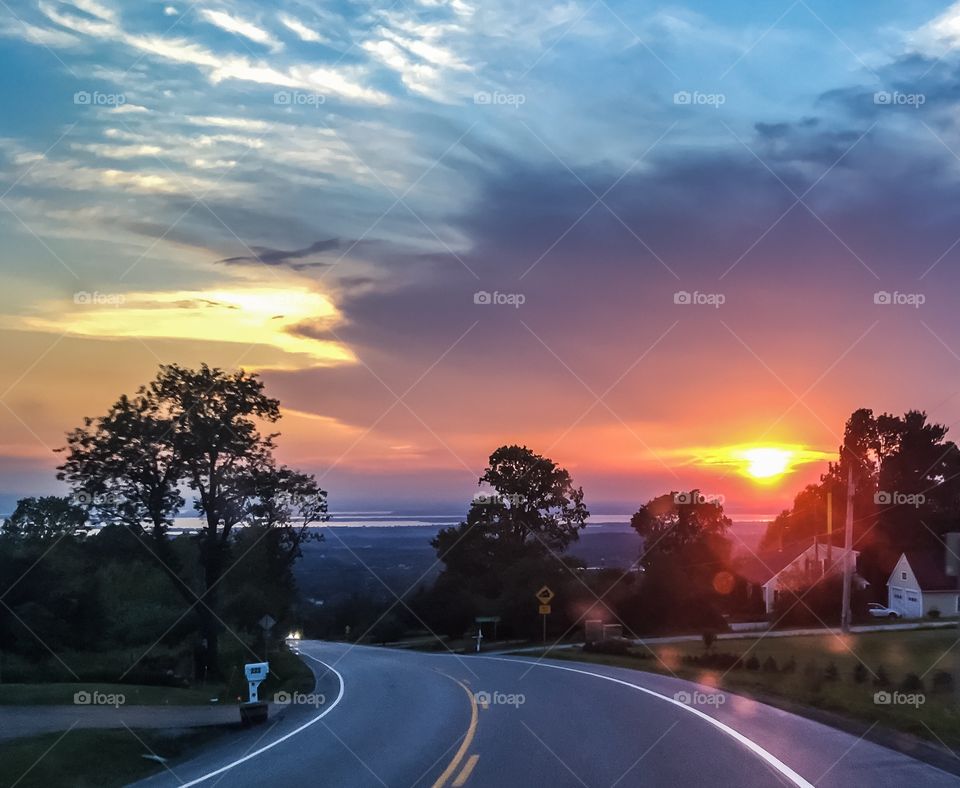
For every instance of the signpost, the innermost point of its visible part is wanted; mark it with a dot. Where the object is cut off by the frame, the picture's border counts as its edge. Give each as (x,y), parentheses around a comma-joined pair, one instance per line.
(544,597)
(266,624)
(488,620)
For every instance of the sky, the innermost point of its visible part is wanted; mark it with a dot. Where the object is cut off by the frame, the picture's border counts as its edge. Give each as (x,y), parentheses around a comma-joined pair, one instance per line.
(640,238)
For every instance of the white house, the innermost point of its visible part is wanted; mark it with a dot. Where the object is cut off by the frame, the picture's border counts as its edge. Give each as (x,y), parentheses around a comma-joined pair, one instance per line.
(794,568)
(919,584)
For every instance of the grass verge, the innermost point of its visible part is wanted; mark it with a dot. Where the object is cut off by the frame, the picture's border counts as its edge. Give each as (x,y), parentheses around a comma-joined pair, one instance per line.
(64,694)
(94,758)
(840,675)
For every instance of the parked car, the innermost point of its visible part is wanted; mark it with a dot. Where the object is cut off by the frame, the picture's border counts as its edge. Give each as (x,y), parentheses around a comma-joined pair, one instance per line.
(881,611)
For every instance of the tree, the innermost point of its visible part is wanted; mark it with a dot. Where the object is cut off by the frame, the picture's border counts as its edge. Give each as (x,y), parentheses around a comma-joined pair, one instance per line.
(674,524)
(197,428)
(288,503)
(906,495)
(511,539)
(534,499)
(45,518)
(124,467)
(684,550)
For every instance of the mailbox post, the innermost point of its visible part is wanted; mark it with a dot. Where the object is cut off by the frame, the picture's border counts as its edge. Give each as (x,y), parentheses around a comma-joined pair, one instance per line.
(254,711)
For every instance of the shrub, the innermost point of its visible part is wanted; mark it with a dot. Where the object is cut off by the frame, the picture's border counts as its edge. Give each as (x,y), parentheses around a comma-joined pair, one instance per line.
(860,673)
(942,681)
(881,679)
(812,677)
(617,646)
(831,673)
(933,613)
(790,666)
(912,683)
(709,638)
(718,661)
(752,664)
(770,665)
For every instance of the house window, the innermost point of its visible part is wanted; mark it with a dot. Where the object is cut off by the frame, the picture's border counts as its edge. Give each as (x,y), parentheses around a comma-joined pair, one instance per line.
(903,575)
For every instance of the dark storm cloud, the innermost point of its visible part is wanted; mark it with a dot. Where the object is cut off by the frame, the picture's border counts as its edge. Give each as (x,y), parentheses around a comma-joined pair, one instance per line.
(293,258)
(689,214)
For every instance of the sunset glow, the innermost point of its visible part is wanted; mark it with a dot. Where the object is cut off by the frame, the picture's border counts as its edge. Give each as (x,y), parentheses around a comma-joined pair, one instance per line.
(766,463)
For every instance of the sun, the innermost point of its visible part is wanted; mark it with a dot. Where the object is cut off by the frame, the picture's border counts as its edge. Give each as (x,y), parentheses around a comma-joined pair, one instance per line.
(766,463)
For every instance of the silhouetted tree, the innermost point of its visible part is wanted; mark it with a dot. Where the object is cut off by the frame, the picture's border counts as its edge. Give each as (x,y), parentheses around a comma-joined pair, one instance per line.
(198,428)
(511,540)
(48,517)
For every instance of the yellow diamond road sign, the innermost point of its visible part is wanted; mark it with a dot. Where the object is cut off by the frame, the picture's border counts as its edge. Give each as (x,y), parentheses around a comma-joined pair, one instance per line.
(545,595)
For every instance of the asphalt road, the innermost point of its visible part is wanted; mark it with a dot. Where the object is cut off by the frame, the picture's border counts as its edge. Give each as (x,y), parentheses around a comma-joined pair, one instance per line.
(403,719)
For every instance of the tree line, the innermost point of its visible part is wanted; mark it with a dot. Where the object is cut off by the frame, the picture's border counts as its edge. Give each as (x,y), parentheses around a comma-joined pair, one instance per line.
(132,580)
(196,430)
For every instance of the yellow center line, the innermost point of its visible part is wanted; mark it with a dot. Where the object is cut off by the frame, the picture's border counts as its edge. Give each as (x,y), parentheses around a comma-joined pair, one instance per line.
(464,745)
(467,771)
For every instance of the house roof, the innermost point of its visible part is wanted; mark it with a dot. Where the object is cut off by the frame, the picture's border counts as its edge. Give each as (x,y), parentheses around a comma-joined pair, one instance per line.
(928,566)
(759,568)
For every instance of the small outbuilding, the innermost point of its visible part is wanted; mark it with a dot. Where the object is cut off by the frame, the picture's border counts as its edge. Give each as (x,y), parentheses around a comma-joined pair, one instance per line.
(920,584)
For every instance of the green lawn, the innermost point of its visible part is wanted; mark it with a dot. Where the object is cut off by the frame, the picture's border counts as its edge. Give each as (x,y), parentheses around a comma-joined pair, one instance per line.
(922,652)
(91,758)
(62,694)
(287,672)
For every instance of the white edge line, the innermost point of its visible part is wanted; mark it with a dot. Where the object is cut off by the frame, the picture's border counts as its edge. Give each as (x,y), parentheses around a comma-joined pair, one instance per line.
(283,738)
(751,745)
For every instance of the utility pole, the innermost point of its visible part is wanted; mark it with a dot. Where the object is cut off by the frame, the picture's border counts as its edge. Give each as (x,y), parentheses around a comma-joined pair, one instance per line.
(829,530)
(848,554)
(952,569)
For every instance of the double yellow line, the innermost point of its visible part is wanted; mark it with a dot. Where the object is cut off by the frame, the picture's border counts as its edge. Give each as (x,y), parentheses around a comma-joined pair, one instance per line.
(464,746)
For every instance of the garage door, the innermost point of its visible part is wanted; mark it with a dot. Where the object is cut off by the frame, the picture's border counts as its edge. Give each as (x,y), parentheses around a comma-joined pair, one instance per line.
(906,602)
(913,604)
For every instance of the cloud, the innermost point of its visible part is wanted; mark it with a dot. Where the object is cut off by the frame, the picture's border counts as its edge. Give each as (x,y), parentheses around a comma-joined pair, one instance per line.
(344,82)
(245,315)
(241,27)
(303,32)
(940,35)
(269,256)
(44,36)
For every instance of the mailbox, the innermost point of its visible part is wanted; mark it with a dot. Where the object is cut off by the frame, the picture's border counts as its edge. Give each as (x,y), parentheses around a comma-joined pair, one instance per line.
(256,672)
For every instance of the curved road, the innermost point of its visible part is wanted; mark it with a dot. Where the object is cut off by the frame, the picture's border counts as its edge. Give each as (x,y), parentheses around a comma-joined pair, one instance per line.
(403,719)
